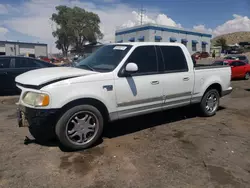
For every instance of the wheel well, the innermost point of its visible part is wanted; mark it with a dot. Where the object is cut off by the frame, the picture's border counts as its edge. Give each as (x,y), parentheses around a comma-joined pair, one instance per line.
(215,86)
(90,101)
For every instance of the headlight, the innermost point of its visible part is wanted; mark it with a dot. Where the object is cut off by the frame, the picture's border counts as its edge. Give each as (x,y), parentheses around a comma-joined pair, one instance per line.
(36,99)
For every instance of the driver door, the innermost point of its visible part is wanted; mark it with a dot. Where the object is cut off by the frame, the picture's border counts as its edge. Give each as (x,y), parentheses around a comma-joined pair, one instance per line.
(140,92)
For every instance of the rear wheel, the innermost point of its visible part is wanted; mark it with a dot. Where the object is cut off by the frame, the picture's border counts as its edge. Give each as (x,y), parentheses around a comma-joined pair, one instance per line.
(80,127)
(210,103)
(247,75)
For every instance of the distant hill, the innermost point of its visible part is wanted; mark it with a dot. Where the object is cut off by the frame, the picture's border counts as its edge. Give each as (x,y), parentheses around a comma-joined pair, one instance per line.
(233,38)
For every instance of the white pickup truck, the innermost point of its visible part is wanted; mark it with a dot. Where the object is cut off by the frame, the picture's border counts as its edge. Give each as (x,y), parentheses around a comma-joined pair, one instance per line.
(117,81)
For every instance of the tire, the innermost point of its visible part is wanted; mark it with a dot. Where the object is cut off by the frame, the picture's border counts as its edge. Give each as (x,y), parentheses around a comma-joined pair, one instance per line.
(247,75)
(63,130)
(204,103)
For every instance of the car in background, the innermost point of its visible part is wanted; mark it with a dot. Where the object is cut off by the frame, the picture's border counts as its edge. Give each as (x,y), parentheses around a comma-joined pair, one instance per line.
(237,57)
(235,51)
(200,55)
(44,58)
(239,69)
(12,66)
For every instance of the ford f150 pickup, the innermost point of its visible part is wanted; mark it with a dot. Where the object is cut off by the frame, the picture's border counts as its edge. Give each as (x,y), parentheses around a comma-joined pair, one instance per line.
(117,81)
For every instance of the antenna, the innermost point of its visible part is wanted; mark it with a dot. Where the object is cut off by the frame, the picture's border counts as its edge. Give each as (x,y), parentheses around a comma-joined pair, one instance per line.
(142,11)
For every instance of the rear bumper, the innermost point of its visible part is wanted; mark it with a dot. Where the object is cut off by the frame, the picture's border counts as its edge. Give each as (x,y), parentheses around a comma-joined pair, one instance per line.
(226,92)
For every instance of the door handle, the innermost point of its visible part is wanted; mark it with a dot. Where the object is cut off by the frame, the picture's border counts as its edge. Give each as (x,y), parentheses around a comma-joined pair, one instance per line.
(3,73)
(155,82)
(186,79)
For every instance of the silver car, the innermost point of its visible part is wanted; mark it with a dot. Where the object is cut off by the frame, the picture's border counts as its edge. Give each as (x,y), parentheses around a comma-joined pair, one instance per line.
(238,57)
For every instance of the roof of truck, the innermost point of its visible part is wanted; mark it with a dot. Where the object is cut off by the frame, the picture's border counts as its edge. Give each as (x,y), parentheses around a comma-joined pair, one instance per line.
(149,43)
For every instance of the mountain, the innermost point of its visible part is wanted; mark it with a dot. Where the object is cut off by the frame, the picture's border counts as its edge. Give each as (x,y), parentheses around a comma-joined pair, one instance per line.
(233,38)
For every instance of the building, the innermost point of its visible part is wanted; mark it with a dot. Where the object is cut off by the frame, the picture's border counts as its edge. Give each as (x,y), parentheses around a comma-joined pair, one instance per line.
(23,48)
(194,41)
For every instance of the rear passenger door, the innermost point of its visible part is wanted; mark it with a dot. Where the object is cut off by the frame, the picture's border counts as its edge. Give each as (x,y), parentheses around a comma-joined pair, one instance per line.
(178,80)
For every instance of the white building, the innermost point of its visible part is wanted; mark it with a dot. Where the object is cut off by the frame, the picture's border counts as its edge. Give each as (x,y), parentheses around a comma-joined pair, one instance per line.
(23,48)
(194,41)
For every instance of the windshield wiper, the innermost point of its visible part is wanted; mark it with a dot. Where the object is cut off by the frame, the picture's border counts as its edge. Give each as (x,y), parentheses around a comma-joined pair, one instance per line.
(87,66)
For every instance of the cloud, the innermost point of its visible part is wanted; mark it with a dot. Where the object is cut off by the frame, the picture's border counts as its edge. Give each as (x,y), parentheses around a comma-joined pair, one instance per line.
(238,23)
(32,17)
(3,32)
(3,9)
(160,19)
(202,28)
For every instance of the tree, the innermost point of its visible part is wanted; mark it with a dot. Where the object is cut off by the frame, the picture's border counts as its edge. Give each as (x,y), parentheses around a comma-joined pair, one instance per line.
(75,27)
(63,33)
(221,42)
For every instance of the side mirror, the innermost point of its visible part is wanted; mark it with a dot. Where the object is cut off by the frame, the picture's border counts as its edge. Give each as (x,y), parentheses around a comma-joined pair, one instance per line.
(131,68)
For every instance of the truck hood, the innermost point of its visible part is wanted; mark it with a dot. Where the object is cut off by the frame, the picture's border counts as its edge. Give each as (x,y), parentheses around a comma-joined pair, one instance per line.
(47,75)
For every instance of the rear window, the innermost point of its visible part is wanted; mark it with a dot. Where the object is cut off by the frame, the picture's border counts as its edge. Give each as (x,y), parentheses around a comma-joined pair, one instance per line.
(4,63)
(174,59)
(22,62)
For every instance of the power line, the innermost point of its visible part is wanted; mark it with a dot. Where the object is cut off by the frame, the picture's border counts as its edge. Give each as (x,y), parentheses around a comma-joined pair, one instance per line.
(142,12)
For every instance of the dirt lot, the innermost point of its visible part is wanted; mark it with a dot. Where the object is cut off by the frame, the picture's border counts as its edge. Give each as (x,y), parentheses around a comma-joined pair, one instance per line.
(170,149)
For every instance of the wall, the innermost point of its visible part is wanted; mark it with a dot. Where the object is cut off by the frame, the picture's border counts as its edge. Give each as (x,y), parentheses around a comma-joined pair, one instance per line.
(126,37)
(41,50)
(166,35)
(10,49)
(26,48)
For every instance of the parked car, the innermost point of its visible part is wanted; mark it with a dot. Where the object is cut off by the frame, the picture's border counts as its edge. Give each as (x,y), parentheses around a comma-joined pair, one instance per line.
(12,66)
(235,51)
(44,58)
(115,82)
(200,55)
(240,69)
(237,57)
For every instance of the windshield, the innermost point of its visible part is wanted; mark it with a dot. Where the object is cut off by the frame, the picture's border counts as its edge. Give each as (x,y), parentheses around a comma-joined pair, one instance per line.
(105,59)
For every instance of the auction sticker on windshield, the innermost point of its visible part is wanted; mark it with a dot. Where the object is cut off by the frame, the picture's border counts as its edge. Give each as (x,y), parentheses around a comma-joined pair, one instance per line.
(120,48)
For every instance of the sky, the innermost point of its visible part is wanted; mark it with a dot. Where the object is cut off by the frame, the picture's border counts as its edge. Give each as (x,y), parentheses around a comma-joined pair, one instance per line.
(28,20)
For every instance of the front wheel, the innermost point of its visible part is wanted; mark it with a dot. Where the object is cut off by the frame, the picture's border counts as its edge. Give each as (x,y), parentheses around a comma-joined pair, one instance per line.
(80,127)
(210,103)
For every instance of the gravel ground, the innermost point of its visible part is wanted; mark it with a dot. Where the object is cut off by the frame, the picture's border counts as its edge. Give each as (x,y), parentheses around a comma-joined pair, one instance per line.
(169,149)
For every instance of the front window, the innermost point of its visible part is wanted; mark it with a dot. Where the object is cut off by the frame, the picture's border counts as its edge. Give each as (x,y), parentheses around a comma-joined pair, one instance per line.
(105,59)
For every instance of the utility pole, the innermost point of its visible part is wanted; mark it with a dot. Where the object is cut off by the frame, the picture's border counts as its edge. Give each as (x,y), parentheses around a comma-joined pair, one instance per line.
(142,11)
